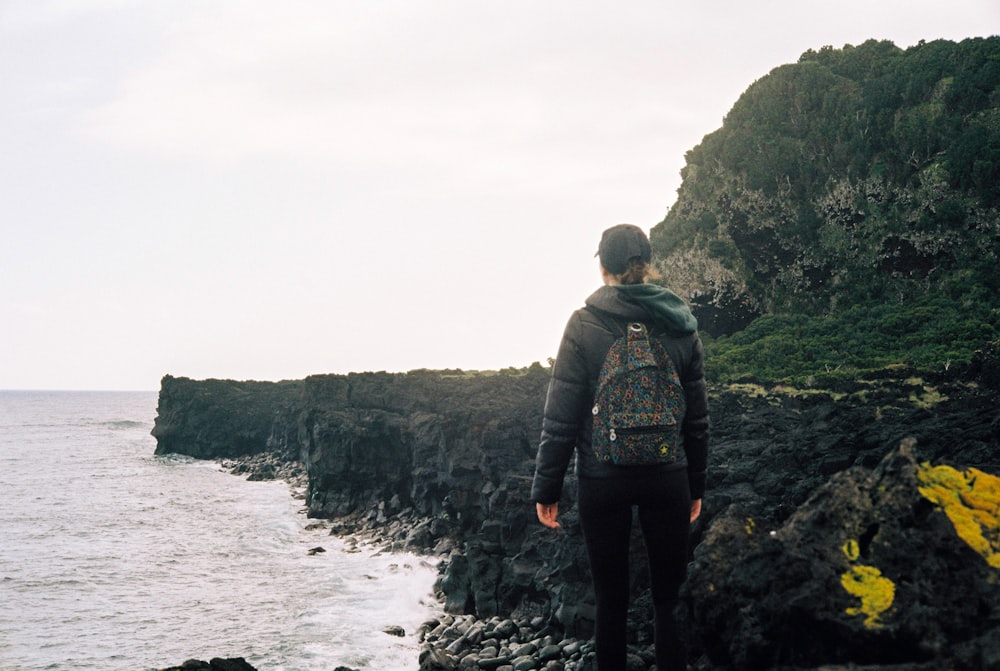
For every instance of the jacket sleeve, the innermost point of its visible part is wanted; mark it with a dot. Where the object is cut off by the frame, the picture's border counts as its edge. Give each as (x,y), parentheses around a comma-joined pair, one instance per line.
(695,428)
(566,403)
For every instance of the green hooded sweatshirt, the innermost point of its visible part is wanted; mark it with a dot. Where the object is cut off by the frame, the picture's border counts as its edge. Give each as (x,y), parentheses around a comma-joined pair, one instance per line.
(663,306)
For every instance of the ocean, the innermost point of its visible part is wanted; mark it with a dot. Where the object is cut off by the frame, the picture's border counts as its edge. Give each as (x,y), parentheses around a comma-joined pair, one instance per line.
(113,558)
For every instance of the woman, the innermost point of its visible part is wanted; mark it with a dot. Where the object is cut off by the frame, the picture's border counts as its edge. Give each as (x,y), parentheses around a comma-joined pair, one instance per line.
(668,496)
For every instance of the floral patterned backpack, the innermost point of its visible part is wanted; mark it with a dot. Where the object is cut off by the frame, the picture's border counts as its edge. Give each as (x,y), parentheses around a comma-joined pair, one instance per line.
(639,403)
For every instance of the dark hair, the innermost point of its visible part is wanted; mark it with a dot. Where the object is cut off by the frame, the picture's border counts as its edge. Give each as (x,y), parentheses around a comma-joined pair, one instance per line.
(637,272)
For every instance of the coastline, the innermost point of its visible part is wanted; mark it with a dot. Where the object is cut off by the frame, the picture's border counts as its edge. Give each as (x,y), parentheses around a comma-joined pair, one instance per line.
(388,463)
(447,641)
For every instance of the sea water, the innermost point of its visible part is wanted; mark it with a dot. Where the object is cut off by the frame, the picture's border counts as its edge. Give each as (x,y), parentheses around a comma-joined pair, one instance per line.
(113,558)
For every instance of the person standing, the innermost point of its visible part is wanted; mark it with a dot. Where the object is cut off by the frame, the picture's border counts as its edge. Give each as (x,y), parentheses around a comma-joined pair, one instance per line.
(668,494)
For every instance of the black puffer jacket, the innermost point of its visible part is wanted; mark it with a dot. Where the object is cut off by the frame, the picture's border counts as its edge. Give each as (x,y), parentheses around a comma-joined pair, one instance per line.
(567,422)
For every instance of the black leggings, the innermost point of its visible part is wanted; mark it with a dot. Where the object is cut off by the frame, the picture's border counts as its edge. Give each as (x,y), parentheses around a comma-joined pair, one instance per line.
(664,503)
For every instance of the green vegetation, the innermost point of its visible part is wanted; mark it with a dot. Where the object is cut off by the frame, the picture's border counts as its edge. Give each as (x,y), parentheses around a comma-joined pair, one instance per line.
(930,334)
(536,368)
(846,216)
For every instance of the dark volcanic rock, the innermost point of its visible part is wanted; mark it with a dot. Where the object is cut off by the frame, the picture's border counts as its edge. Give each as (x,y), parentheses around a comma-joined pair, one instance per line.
(213,419)
(216,664)
(866,571)
(771,449)
(443,445)
(441,463)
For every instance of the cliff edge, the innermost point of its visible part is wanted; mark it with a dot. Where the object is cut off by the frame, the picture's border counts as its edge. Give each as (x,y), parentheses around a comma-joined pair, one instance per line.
(852,528)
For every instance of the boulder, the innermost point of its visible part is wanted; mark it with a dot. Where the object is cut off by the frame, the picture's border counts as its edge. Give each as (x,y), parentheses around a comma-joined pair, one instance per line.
(871,569)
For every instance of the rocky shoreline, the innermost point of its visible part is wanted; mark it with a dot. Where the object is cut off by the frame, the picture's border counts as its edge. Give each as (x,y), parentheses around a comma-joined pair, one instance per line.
(447,642)
(807,491)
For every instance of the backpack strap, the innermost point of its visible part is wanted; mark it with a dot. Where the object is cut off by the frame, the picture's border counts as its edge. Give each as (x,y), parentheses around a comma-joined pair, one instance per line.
(612,325)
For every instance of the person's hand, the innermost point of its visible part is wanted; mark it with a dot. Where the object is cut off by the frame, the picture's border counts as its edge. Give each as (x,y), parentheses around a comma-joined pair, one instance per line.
(547,513)
(695,509)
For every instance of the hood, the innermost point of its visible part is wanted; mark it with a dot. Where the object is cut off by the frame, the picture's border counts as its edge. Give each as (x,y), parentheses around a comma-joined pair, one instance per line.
(646,302)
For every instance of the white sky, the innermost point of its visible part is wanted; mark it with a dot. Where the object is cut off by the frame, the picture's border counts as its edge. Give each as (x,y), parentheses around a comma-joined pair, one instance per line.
(267,190)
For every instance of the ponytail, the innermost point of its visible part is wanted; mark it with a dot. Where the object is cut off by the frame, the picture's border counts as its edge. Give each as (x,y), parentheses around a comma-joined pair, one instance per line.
(638,272)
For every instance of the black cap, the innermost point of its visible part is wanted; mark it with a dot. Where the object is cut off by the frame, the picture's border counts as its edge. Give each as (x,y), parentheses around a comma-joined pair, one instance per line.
(620,244)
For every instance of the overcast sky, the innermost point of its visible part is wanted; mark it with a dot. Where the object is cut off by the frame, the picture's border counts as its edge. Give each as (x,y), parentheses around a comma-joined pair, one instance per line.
(267,190)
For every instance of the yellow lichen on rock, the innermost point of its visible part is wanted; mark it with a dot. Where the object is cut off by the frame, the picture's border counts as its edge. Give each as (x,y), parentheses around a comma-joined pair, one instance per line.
(971,500)
(868,584)
(875,591)
(751,390)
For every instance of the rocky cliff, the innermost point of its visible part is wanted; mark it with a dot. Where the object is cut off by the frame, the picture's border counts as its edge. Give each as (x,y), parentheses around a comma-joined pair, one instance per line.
(212,419)
(822,541)
(861,174)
